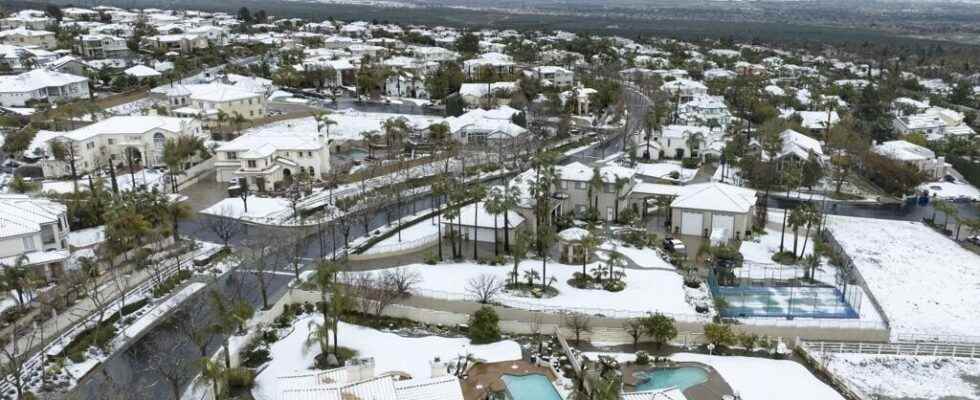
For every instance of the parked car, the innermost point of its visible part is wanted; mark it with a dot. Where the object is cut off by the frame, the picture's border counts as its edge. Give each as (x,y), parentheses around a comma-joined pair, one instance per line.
(674,245)
(975,239)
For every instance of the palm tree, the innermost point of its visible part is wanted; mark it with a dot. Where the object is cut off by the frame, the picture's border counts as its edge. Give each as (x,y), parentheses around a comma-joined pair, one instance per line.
(395,131)
(238,120)
(319,336)
(221,119)
(368,138)
(595,186)
(494,206)
(477,192)
(620,184)
(324,122)
(511,201)
(589,244)
(214,373)
(231,318)
(797,217)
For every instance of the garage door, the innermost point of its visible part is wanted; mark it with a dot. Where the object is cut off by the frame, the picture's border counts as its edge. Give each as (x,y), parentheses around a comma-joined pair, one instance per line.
(719,222)
(692,224)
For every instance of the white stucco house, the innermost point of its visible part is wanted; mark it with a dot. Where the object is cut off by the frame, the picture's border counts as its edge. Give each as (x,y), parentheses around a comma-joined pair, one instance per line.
(714,209)
(920,157)
(274,155)
(41,85)
(32,231)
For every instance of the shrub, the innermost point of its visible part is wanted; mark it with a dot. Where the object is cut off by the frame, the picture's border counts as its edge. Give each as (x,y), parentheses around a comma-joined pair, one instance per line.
(240,378)
(748,340)
(614,286)
(642,358)
(253,358)
(483,326)
(580,280)
(690,163)
(720,335)
(784,257)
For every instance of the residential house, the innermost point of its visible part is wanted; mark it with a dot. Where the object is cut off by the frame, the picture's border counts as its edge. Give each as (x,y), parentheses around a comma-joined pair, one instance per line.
(934,123)
(474,93)
(486,126)
(552,76)
(100,46)
(211,100)
(575,181)
(480,225)
(275,155)
(32,231)
(798,148)
(816,122)
(182,43)
(685,90)
(714,209)
(710,111)
(27,37)
(116,138)
(357,380)
(920,157)
(500,64)
(41,85)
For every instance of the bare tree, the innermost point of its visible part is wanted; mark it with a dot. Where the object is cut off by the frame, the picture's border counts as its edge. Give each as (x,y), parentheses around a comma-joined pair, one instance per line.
(372,292)
(224,225)
(578,323)
(635,328)
(402,279)
(161,355)
(15,357)
(298,243)
(484,287)
(196,326)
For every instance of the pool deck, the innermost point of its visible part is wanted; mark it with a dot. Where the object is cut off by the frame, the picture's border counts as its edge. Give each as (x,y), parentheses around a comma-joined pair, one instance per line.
(713,389)
(483,379)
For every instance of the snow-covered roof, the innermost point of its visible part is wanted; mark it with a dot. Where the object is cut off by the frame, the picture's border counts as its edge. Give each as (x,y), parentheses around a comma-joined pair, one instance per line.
(295,134)
(37,79)
(212,92)
(142,71)
(579,172)
(573,234)
(817,119)
(715,196)
(904,151)
(497,120)
(799,144)
(129,124)
(483,89)
(22,214)
(483,218)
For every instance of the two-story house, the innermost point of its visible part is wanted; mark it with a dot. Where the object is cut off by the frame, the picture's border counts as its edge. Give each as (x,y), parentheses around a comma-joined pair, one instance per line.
(275,155)
(28,37)
(111,139)
(100,46)
(32,232)
(552,76)
(575,181)
(208,101)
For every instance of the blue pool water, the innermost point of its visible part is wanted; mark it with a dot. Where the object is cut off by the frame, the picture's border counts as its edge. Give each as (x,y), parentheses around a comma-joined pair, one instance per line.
(682,378)
(529,387)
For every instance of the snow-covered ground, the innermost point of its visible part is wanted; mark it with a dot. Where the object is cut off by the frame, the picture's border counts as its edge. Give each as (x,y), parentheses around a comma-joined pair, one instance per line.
(270,210)
(133,107)
(755,378)
(644,258)
(761,248)
(413,236)
(63,187)
(926,283)
(912,377)
(646,290)
(951,190)
(663,171)
(390,351)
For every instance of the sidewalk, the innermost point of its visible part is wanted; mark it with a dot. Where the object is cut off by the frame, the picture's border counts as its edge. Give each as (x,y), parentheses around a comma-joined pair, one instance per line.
(61,323)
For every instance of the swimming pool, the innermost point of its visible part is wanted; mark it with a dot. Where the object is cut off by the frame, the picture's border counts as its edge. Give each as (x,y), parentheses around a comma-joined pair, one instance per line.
(529,387)
(681,378)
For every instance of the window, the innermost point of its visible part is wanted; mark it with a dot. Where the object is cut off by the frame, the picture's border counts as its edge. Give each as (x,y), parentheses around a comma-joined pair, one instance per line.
(112,142)
(580,185)
(232,155)
(90,145)
(47,234)
(309,154)
(252,164)
(29,243)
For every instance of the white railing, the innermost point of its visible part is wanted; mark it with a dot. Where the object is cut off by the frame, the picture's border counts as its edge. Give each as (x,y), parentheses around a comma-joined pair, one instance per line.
(838,323)
(898,349)
(947,339)
(55,346)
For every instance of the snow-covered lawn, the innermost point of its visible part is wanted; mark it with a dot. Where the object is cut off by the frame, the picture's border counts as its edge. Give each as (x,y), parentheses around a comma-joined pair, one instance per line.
(421,233)
(908,376)
(391,352)
(949,190)
(646,290)
(644,258)
(63,187)
(260,209)
(761,248)
(757,378)
(926,283)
